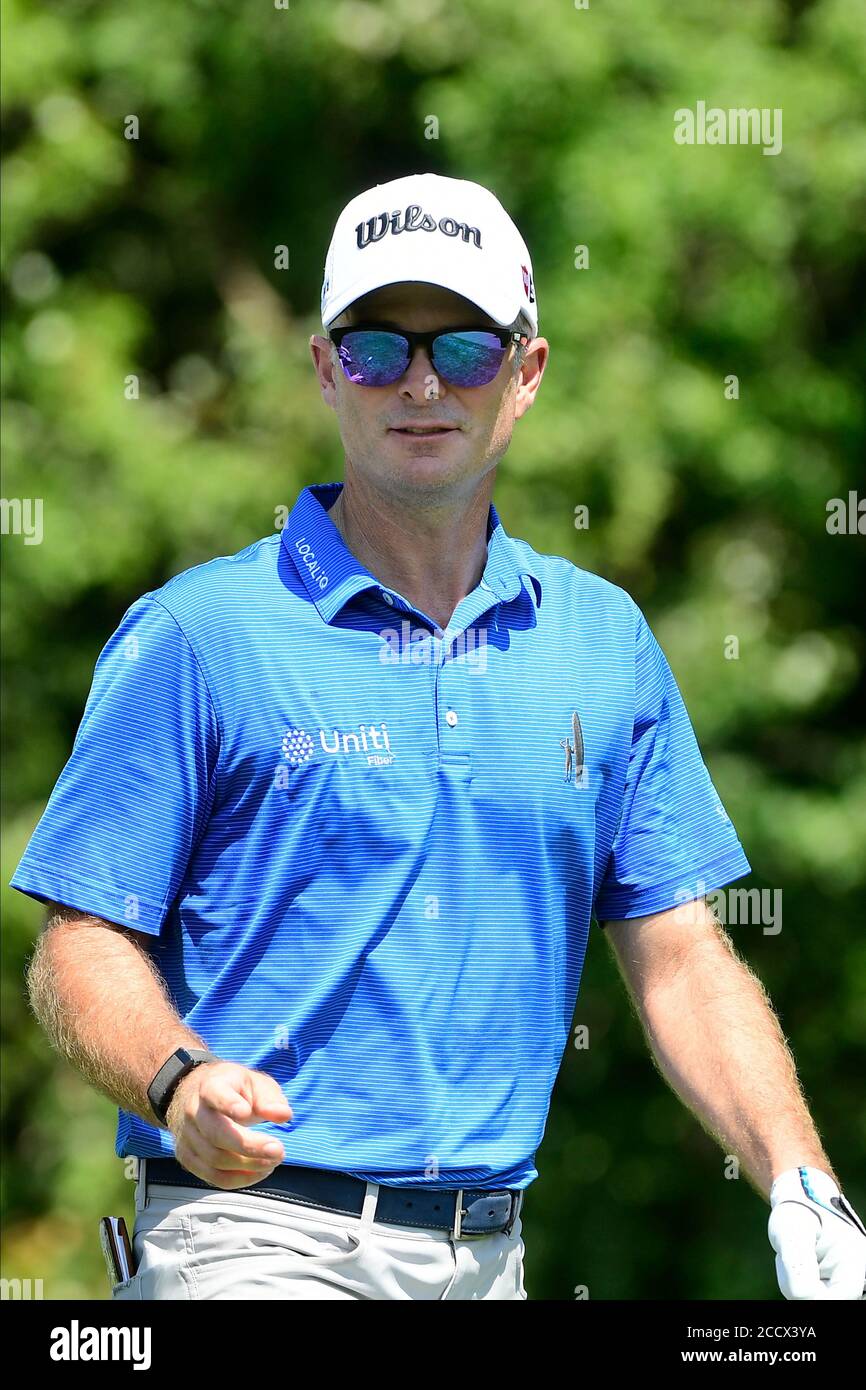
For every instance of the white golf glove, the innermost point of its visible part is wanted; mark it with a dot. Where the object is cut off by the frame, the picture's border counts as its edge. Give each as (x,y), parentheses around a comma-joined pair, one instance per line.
(819,1239)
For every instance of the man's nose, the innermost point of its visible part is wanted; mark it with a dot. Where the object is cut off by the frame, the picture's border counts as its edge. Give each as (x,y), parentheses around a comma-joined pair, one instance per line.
(420,380)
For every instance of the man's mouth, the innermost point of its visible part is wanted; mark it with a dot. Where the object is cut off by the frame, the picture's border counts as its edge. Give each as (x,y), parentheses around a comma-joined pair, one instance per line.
(423,431)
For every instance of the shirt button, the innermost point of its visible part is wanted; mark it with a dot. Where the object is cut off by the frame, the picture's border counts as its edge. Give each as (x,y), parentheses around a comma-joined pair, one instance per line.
(388,598)
(451,718)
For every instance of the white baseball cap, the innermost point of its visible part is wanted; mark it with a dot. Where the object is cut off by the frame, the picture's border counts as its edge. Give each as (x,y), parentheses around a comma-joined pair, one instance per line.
(438,230)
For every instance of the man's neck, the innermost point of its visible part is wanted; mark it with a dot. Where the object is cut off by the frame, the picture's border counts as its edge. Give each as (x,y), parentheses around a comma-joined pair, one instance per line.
(432,558)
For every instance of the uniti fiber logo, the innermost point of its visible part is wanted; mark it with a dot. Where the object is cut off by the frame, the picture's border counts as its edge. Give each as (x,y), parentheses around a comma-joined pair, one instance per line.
(370,742)
(414,219)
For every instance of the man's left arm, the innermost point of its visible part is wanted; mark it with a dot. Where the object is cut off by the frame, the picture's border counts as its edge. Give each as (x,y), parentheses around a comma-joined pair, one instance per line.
(718,1043)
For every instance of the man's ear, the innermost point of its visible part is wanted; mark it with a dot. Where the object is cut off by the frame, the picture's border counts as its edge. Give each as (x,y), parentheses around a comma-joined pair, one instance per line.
(322,350)
(530,374)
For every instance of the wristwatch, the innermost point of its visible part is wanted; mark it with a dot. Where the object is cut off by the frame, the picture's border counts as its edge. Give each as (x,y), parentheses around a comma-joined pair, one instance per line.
(165,1083)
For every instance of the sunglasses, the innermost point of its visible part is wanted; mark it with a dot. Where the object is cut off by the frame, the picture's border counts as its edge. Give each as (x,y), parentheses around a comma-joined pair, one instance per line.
(373,356)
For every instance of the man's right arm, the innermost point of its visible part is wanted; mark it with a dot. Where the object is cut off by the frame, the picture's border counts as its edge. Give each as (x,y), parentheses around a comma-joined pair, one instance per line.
(104,1006)
(102,1002)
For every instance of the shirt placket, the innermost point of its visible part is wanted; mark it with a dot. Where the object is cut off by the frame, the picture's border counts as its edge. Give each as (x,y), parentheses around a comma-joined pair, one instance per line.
(454,669)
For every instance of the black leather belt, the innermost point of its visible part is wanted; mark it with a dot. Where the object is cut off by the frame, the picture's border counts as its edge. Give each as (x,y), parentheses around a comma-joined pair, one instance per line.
(462,1211)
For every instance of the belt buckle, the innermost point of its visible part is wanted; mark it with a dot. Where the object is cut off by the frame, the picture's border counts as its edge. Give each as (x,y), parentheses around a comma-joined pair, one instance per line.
(458,1215)
(457,1231)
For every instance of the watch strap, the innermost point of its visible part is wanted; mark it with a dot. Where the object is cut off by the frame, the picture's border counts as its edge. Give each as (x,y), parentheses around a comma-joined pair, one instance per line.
(171,1073)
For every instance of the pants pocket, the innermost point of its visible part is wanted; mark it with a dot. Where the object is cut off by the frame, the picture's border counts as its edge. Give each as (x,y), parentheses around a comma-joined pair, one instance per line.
(217,1234)
(129,1289)
(161,1247)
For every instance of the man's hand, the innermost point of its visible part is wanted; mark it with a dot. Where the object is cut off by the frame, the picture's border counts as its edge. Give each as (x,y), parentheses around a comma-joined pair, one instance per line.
(206,1114)
(820,1241)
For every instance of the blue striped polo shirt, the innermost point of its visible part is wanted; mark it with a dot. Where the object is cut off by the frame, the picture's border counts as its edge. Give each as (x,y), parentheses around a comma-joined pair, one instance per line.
(365,852)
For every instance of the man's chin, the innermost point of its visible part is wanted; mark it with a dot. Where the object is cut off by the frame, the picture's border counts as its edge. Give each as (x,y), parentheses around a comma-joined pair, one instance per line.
(416,471)
(440,459)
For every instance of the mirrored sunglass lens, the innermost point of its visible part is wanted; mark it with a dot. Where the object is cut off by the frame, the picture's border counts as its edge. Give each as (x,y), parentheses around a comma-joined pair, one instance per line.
(468,359)
(373,358)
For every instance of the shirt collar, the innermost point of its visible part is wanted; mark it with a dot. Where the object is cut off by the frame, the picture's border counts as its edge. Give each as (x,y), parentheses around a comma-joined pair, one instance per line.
(333,575)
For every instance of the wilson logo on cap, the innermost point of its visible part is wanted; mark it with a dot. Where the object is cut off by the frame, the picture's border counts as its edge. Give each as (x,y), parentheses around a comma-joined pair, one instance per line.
(414,219)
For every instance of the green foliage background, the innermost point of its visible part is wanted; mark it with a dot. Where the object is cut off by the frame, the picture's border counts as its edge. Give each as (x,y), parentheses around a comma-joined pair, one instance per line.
(155,256)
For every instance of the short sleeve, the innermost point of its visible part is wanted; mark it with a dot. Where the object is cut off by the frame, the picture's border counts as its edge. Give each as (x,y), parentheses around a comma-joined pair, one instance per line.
(675,841)
(120,825)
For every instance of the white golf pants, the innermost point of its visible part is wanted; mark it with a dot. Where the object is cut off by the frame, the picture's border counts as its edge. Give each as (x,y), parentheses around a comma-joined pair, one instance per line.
(192,1244)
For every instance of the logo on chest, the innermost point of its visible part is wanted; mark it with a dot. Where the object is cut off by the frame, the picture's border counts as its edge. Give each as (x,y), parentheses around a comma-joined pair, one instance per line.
(575,767)
(369,742)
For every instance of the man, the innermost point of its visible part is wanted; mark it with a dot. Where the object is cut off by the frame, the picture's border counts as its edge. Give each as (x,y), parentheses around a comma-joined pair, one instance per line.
(322,864)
